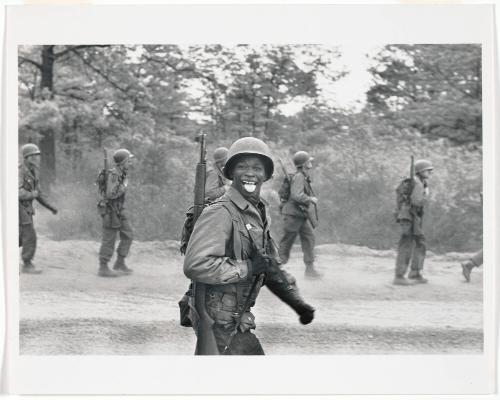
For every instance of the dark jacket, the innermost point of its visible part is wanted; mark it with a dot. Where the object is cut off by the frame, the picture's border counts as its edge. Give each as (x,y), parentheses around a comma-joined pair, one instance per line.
(300,195)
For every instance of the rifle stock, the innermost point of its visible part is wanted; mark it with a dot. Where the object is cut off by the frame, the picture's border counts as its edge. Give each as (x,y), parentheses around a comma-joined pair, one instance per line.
(205,343)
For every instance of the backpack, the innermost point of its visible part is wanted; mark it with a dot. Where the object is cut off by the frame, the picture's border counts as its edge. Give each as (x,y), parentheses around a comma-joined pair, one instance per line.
(403,192)
(284,190)
(101,182)
(187,230)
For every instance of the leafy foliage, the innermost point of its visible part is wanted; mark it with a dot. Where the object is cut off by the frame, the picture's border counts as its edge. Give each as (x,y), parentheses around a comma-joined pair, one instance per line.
(155,99)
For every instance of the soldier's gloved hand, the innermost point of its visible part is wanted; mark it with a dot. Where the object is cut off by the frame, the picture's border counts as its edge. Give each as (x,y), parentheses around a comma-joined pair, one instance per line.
(260,262)
(35,193)
(306,313)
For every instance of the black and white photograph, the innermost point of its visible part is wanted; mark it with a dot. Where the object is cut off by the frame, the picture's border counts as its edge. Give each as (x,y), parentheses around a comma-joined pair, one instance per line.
(182,198)
(370,190)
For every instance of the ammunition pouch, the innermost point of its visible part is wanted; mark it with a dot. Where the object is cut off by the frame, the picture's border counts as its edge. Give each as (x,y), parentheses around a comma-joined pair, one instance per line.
(404,213)
(188,315)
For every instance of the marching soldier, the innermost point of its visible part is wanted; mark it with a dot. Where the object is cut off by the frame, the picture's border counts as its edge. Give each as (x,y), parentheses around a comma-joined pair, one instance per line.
(216,184)
(411,247)
(29,190)
(232,254)
(112,210)
(297,216)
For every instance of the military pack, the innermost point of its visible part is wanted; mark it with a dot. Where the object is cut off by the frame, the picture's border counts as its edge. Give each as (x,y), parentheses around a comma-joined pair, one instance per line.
(285,188)
(403,194)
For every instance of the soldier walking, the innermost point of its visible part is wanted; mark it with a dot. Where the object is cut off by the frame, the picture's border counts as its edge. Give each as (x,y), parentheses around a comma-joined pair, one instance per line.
(216,184)
(112,210)
(29,190)
(296,214)
(411,247)
(231,254)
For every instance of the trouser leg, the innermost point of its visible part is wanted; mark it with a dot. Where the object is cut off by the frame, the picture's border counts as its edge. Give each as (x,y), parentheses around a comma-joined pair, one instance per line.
(126,237)
(306,233)
(291,227)
(28,240)
(107,244)
(417,262)
(405,248)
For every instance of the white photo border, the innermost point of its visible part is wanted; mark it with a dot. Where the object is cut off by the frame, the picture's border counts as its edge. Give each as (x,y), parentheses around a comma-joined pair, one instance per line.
(233,24)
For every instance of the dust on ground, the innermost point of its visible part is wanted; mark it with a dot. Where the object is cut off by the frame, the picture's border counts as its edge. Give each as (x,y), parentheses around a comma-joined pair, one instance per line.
(70,310)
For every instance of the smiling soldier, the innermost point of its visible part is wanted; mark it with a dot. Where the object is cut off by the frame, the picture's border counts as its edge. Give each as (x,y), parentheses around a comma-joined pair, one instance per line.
(232,254)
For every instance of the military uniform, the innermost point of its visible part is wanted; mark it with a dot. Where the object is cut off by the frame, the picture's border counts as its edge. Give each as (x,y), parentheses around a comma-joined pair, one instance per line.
(114,219)
(295,219)
(215,184)
(29,190)
(210,260)
(411,246)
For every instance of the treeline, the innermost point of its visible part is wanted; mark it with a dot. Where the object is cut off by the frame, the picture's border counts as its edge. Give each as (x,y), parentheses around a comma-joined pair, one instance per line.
(154,100)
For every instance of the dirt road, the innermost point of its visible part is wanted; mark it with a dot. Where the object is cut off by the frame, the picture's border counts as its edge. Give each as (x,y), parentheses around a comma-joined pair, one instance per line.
(70,310)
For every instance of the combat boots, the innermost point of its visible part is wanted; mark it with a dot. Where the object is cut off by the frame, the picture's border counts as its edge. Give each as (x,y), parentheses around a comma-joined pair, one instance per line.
(417,277)
(312,273)
(104,270)
(402,281)
(29,268)
(467,269)
(121,267)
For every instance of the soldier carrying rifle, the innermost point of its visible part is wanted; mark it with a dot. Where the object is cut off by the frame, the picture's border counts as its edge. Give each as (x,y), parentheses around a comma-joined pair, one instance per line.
(231,255)
(412,194)
(29,190)
(112,188)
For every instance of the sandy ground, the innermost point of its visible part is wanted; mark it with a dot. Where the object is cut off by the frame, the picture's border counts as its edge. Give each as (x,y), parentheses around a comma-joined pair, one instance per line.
(70,310)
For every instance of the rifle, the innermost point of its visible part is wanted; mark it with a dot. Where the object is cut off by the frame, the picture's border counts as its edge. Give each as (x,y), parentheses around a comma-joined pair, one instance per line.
(205,343)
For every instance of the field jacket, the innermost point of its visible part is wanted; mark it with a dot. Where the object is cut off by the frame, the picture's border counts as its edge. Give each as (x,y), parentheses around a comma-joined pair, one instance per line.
(210,259)
(300,196)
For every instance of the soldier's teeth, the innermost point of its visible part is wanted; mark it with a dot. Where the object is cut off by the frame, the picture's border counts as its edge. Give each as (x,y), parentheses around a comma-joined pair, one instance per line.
(249,187)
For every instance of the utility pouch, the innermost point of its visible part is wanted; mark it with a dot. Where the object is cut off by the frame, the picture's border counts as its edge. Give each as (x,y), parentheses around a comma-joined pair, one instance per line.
(404,213)
(186,317)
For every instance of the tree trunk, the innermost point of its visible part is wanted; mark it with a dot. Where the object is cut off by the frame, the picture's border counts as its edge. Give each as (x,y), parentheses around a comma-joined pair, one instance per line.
(47,142)
(48,59)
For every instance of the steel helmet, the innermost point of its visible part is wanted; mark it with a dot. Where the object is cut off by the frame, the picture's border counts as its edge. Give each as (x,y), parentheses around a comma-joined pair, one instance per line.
(423,165)
(30,149)
(121,155)
(220,154)
(301,157)
(252,146)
